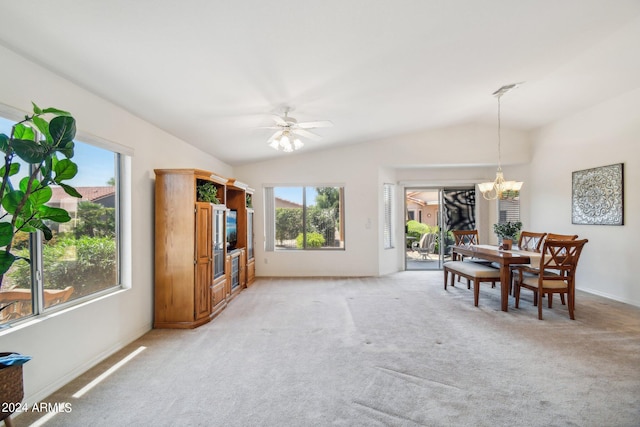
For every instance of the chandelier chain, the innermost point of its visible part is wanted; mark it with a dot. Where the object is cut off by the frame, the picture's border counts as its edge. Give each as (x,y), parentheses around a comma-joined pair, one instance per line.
(499,136)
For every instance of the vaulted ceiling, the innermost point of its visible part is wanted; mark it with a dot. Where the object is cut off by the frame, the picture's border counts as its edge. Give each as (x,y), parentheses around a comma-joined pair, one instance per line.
(211,72)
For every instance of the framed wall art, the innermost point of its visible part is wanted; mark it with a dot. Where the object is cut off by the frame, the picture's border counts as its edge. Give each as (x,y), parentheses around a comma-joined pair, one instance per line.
(597,196)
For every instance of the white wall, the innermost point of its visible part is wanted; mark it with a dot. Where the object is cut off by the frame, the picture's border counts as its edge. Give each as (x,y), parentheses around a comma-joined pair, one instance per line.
(390,260)
(362,169)
(605,134)
(67,343)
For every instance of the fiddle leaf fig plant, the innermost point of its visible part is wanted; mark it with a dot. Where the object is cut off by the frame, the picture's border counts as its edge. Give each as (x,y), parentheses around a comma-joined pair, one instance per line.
(39,140)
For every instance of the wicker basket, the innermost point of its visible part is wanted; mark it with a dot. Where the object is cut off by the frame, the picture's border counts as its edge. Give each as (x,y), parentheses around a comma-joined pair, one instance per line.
(11,387)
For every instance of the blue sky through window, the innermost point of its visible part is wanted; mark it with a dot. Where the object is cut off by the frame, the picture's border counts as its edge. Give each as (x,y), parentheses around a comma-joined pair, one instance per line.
(294,194)
(95,165)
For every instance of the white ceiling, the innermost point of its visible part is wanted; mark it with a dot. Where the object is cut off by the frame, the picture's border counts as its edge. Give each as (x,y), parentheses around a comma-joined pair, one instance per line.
(211,71)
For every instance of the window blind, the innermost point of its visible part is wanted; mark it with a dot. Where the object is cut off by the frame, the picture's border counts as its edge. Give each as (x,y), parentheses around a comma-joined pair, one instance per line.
(388,215)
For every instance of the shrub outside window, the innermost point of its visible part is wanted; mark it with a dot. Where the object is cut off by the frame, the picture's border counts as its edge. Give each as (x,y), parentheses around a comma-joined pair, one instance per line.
(308,218)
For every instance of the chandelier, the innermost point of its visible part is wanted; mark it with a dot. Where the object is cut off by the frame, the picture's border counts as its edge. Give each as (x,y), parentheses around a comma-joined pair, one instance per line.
(286,142)
(499,188)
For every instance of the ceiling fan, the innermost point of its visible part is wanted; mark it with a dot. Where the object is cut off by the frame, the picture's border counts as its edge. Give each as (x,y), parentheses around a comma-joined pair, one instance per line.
(288,131)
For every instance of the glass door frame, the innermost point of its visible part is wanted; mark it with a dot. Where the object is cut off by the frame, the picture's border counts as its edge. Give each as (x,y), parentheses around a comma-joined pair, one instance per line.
(442,241)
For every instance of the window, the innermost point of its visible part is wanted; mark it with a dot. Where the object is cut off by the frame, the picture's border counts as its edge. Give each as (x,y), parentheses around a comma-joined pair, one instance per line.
(304,218)
(508,210)
(387,195)
(82,259)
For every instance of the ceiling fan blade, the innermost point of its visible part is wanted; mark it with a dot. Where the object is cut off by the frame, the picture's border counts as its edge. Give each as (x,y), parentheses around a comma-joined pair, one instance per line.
(269,127)
(279,120)
(275,135)
(307,134)
(316,124)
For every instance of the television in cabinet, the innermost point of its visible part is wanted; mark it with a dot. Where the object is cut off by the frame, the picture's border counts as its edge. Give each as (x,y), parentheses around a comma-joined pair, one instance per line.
(236,203)
(232,229)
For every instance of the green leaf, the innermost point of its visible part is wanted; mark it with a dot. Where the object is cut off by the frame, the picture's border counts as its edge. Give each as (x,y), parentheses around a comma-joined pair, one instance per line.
(39,225)
(53,214)
(65,169)
(27,228)
(24,183)
(29,151)
(63,130)
(13,169)
(21,131)
(6,233)
(43,127)
(6,260)
(71,191)
(11,200)
(4,142)
(36,109)
(40,196)
(67,149)
(56,112)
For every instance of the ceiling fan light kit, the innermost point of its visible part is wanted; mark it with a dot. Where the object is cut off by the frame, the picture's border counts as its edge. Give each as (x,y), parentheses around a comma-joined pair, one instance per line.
(288,132)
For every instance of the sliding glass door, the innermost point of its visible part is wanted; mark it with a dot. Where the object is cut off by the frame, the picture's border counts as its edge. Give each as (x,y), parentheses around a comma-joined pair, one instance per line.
(430,215)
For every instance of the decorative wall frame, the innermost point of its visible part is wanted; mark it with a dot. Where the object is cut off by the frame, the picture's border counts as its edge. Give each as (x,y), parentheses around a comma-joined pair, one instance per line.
(598,196)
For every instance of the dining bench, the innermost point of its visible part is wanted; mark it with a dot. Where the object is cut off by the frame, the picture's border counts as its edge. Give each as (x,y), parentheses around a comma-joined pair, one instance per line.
(473,272)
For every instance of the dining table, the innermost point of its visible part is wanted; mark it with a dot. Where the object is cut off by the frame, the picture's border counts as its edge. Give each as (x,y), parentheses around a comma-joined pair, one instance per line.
(504,258)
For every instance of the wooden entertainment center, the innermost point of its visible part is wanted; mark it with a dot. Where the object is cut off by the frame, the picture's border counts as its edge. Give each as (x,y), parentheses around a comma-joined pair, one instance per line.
(197,271)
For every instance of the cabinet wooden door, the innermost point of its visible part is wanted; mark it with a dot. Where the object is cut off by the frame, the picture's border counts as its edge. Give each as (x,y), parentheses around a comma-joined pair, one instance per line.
(204,260)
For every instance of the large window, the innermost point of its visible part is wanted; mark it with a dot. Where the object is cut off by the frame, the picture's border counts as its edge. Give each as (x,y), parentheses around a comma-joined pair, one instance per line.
(82,259)
(304,218)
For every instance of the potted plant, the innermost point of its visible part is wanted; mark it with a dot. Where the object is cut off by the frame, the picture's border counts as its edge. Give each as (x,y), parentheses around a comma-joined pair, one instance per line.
(508,232)
(37,141)
(207,192)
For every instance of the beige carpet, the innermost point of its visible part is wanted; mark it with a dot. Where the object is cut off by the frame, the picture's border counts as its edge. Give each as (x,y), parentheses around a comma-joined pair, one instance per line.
(390,351)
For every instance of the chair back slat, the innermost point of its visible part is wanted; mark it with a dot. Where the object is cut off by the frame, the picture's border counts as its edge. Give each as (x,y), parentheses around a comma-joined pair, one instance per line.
(465,237)
(530,241)
(562,256)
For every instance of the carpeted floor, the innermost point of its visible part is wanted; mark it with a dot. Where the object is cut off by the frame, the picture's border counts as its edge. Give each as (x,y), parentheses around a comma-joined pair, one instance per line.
(391,351)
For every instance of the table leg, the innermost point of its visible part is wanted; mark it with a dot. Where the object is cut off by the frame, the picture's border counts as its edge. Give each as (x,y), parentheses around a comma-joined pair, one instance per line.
(505,277)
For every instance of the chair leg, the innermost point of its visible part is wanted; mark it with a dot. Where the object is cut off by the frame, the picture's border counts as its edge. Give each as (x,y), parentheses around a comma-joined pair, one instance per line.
(476,292)
(539,305)
(562,299)
(550,297)
(571,306)
(516,293)
(468,284)
(446,274)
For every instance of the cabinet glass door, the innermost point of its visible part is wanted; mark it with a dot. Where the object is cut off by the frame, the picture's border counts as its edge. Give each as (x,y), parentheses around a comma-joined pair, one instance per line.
(218,242)
(249,234)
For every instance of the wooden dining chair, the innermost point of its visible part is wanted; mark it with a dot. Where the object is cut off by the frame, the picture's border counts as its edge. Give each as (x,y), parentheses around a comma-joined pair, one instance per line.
(532,270)
(530,241)
(556,274)
(553,236)
(467,238)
